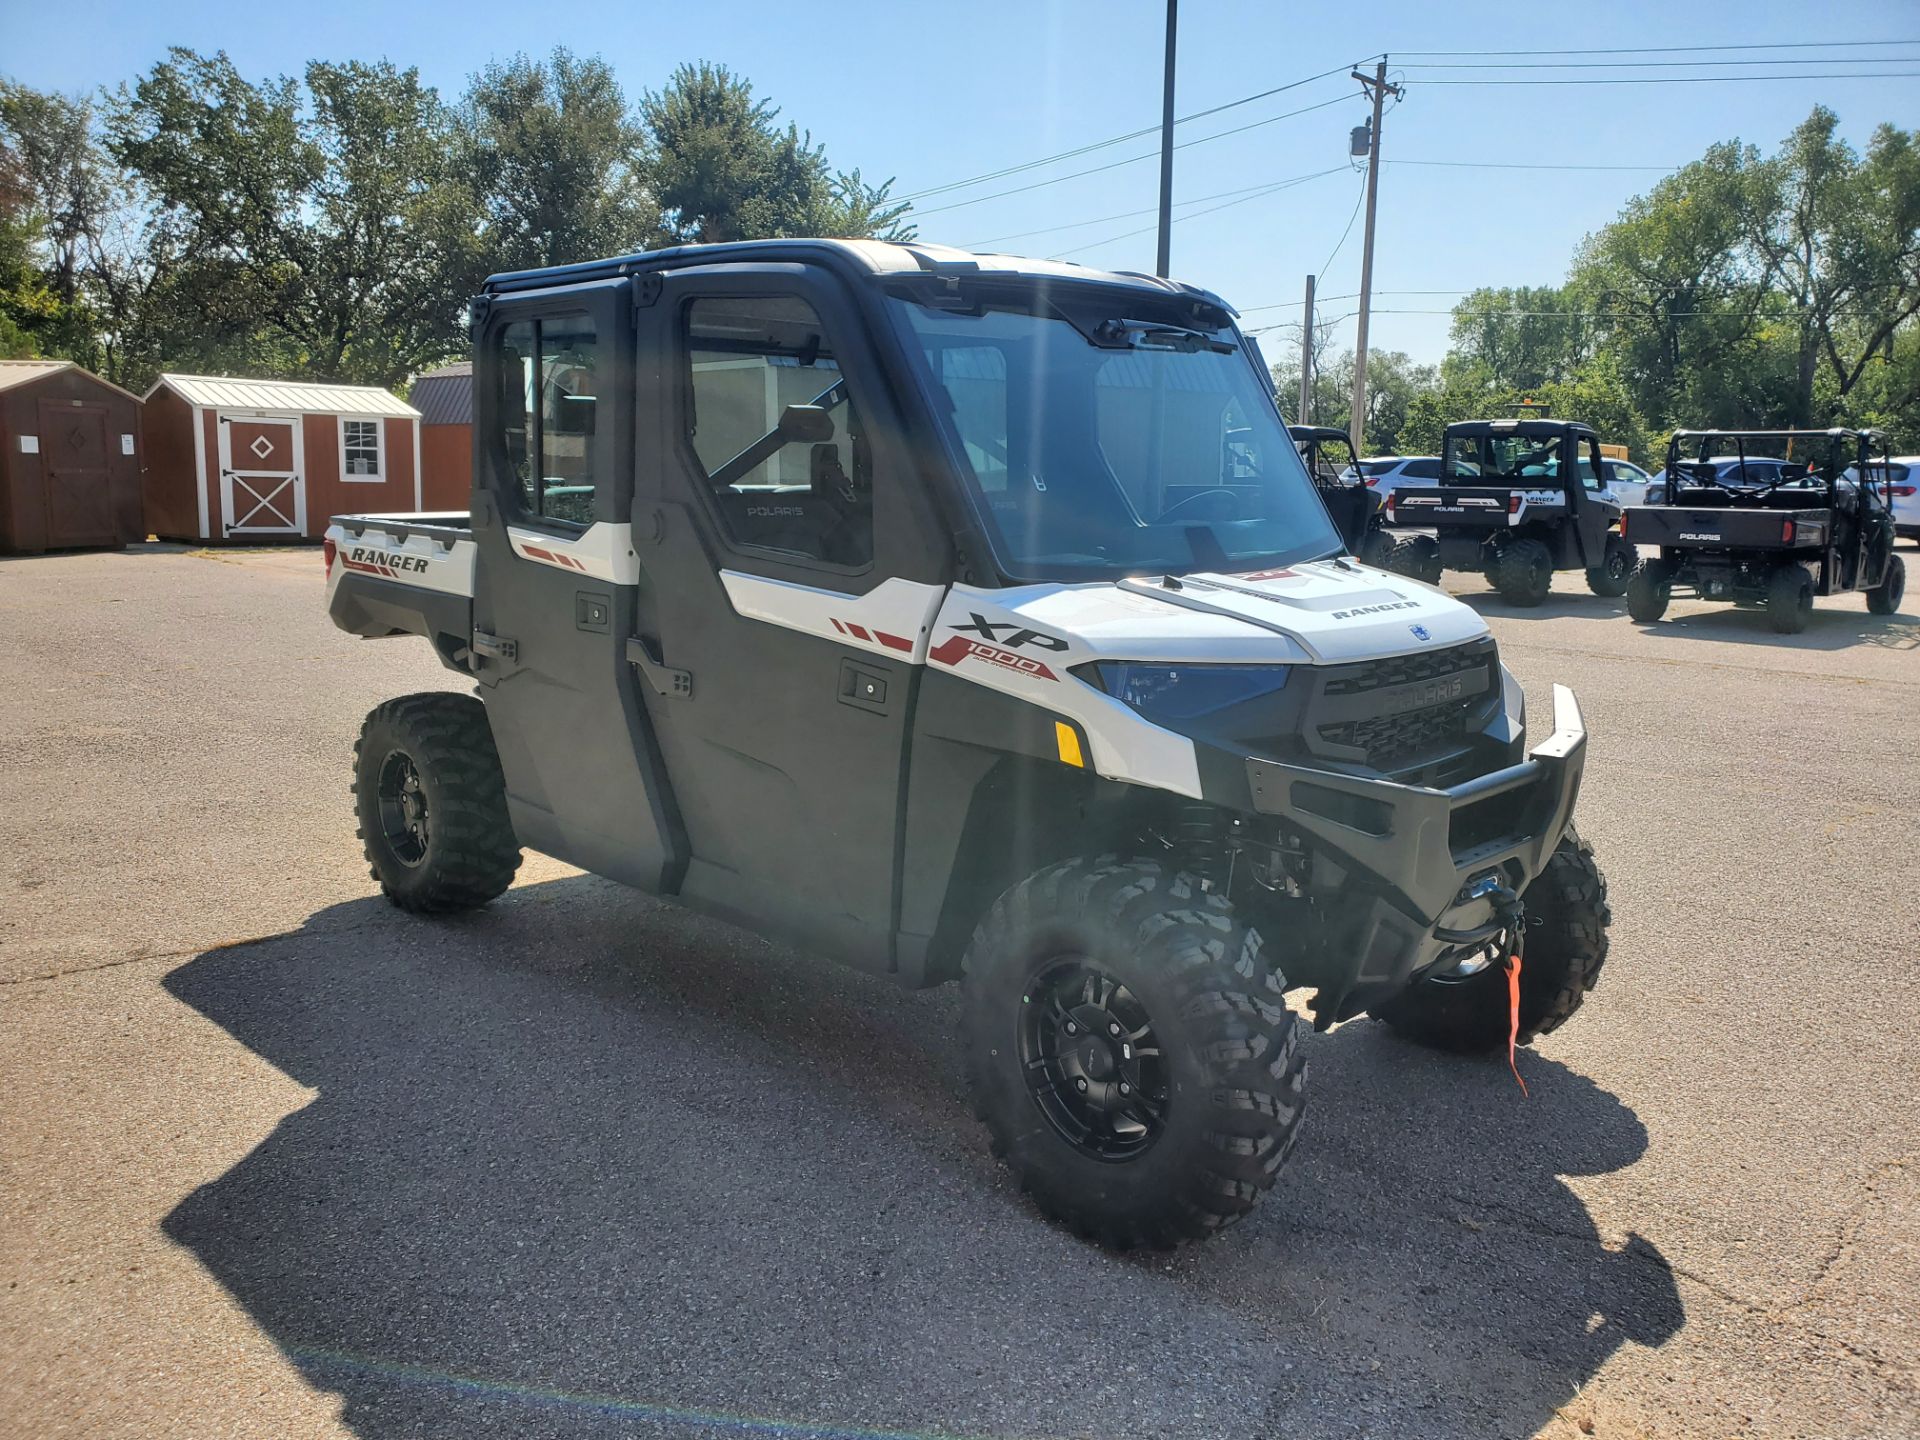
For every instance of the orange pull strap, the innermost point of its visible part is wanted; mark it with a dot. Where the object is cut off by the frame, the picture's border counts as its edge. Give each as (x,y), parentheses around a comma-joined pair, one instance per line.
(1513,1018)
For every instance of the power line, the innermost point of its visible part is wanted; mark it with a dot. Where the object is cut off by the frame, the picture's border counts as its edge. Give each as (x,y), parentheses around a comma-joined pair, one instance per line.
(1120,139)
(1678,49)
(1121,215)
(1263,191)
(1339,244)
(1516,165)
(1694,79)
(1659,64)
(1130,160)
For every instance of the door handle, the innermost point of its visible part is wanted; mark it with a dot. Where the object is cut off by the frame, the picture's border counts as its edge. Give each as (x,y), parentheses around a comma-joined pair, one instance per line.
(495,647)
(667,681)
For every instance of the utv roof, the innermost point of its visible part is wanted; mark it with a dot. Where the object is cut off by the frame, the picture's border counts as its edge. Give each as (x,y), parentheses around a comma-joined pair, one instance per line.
(1541,428)
(1837,432)
(1318,432)
(873,257)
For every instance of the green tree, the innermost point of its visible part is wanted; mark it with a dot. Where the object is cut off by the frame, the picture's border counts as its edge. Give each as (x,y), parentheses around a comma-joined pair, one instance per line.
(1516,337)
(1394,382)
(320,231)
(557,162)
(723,170)
(1841,240)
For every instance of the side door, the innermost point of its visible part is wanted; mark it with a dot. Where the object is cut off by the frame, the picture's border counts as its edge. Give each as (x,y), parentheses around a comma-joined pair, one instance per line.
(555,581)
(790,583)
(1594,508)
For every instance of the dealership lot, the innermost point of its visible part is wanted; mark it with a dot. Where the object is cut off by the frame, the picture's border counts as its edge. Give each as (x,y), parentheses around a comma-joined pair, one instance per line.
(278,1160)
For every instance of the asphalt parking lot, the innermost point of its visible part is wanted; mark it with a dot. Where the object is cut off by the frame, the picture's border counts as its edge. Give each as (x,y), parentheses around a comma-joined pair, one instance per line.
(276,1160)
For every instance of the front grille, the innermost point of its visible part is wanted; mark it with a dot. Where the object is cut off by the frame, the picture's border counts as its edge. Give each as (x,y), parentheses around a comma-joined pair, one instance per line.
(1405,669)
(1394,732)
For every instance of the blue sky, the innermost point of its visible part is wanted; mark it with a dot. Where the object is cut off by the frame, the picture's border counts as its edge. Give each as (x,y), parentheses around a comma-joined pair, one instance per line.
(933,95)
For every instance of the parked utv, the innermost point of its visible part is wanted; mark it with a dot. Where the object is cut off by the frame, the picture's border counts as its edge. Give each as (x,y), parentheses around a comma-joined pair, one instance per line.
(1774,533)
(1517,500)
(964,617)
(1357,510)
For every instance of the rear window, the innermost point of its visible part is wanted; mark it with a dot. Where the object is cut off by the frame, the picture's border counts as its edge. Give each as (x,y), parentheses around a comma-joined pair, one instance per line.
(1422,470)
(1377,467)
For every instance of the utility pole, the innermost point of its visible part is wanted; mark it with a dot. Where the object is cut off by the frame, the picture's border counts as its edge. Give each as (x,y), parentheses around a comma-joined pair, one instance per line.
(1377,87)
(1166,151)
(1306,360)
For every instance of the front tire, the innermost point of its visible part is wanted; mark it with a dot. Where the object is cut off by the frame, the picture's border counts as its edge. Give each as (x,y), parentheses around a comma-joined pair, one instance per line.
(1790,599)
(1650,591)
(1567,917)
(1069,972)
(1418,557)
(1614,573)
(1524,572)
(432,804)
(1885,598)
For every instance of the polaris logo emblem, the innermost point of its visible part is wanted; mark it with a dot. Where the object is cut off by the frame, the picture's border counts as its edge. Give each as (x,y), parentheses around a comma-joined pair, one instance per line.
(1694,535)
(769,512)
(1420,632)
(1422,693)
(1374,609)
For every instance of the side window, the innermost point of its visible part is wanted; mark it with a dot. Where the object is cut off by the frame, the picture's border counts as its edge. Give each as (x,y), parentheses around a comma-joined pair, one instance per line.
(1421,470)
(361,456)
(547,384)
(775,430)
(1591,473)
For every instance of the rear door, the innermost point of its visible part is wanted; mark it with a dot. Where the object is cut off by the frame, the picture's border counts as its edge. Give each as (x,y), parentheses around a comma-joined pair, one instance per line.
(555,580)
(1594,508)
(790,582)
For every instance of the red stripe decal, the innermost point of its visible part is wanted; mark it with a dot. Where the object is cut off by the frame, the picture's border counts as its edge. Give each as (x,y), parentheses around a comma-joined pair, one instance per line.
(838,626)
(893,642)
(859,632)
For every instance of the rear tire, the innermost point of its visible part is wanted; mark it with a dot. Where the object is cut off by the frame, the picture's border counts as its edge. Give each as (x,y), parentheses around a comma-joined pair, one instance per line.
(432,804)
(1789,599)
(1376,549)
(1524,573)
(1885,598)
(1614,573)
(1649,591)
(1567,919)
(1418,557)
(1169,1144)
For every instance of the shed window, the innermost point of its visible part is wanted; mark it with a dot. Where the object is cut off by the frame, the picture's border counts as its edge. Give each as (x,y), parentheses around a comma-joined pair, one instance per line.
(362,451)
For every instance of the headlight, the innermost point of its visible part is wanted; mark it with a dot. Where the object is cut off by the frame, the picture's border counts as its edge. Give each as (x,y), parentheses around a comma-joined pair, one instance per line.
(1186,692)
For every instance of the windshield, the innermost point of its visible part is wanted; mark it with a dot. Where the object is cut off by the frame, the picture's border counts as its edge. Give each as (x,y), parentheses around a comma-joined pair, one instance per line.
(1089,460)
(1504,457)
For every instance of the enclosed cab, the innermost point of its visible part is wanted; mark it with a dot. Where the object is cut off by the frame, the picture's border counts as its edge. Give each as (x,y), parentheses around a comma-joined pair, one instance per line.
(965,616)
(1517,500)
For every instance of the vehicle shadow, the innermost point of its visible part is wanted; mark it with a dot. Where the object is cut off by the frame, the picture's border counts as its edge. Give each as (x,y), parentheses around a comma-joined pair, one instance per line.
(1828,629)
(587,1165)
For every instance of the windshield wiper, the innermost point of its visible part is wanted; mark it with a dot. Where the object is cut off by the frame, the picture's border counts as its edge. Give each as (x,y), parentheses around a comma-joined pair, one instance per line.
(1154,336)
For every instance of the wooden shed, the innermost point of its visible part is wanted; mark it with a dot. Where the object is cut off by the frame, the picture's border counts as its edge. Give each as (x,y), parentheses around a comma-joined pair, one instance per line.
(444,398)
(70,456)
(246,460)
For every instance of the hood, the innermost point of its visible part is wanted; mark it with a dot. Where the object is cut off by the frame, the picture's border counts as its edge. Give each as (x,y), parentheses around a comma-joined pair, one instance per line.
(1322,612)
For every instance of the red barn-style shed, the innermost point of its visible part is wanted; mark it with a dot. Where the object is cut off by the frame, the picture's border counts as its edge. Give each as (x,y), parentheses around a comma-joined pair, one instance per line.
(444,398)
(251,460)
(70,456)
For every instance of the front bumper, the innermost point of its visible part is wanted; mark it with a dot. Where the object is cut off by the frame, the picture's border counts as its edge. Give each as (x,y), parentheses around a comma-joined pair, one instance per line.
(1411,853)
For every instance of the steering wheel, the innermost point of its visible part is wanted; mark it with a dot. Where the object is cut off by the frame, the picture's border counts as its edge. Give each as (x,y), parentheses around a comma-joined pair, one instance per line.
(1198,499)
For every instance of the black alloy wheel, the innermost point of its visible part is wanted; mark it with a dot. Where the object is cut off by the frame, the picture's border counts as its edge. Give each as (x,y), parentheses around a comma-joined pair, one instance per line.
(1092,1061)
(404,822)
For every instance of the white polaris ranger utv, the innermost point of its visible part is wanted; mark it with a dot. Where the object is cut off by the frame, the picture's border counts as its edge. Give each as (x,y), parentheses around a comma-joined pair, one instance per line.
(965,617)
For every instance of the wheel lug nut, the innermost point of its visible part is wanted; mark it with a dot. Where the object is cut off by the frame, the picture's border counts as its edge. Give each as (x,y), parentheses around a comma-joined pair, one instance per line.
(1113,1027)
(1072,1029)
(1081,1085)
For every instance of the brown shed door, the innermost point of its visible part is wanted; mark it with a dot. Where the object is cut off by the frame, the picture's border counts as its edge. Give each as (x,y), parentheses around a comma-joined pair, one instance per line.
(261,488)
(73,454)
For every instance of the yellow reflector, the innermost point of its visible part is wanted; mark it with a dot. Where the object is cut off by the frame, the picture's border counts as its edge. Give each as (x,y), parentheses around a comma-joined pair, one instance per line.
(1069,742)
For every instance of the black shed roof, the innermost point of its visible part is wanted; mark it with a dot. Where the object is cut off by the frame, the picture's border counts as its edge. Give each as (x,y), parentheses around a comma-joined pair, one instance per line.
(445,396)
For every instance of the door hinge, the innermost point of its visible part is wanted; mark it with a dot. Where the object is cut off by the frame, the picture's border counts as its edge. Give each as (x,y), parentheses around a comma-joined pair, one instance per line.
(666,681)
(495,647)
(646,290)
